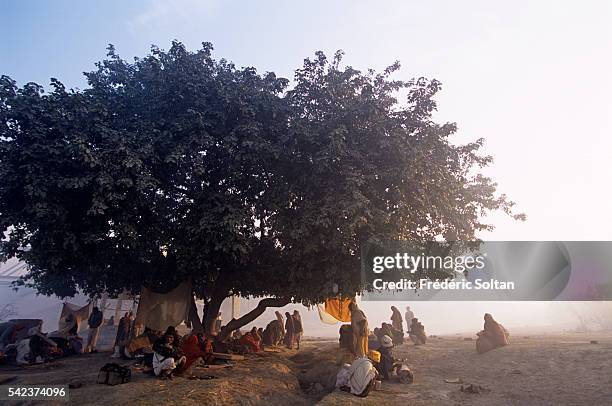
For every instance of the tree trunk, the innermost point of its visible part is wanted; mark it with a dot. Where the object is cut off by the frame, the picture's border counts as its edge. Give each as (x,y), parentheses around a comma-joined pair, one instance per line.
(211,310)
(194,318)
(263,304)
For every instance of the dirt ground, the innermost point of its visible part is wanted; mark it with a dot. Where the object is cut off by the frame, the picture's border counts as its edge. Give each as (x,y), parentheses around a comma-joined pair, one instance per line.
(564,369)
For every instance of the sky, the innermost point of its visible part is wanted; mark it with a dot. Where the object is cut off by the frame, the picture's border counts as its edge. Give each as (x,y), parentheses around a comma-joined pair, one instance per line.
(532,78)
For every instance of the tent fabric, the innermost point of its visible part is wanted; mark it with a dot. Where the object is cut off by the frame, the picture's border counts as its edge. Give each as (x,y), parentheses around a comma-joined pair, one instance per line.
(160,310)
(335,310)
(324,316)
(23,327)
(80,312)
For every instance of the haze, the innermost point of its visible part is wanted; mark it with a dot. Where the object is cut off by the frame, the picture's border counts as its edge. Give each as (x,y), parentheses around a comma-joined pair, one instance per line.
(532,78)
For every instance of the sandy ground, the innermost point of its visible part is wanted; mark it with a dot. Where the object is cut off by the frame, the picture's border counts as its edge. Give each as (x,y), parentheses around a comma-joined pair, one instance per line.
(563,369)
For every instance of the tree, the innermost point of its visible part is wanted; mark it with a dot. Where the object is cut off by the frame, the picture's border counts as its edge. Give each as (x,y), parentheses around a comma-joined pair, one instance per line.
(181,167)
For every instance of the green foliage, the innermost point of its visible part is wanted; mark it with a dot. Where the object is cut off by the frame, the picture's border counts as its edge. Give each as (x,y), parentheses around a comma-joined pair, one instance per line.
(247,184)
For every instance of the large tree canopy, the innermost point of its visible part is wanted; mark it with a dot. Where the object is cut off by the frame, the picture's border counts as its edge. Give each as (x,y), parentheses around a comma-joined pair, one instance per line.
(178,166)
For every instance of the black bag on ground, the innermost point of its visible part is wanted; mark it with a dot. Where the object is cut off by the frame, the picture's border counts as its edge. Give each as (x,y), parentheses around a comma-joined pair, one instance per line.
(114,374)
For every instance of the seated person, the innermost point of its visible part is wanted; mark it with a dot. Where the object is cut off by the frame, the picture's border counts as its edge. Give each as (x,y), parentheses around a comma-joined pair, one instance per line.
(360,377)
(143,344)
(177,338)
(34,348)
(256,336)
(494,335)
(166,358)
(387,360)
(385,330)
(191,350)
(206,345)
(273,334)
(373,340)
(250,342)
(417,332)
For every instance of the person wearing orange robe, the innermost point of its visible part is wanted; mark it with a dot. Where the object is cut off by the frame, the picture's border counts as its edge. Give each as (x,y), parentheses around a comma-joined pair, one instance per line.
(191,350)
(494,335)
(359,326)
(250,342)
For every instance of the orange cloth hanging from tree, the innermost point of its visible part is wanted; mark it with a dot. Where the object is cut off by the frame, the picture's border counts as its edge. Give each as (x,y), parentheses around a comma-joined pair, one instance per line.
(339,308)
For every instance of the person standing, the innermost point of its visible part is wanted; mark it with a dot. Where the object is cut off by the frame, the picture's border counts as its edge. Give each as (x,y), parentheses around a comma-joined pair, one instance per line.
(288,339)
(298,329)
(396,319)
(123,332)
(281,322)
(217,324)
(408,316)
(359,325)
(95,321)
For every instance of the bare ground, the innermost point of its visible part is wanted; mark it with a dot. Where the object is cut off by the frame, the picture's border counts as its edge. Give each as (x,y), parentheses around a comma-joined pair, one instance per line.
(563,369)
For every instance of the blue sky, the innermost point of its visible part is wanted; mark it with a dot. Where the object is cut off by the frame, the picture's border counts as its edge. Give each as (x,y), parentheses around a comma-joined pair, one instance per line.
(532,78)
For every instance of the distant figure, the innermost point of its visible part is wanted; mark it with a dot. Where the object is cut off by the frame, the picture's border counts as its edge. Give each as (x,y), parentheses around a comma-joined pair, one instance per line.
(250,342)
(123,333)
(95,321)
(280,319)
(298,329)
(256,335)
(217,323)
(396,319)
(417,332)
(359,325)
(387,329)
(111,321)
(272,335)
(68,327)
(408,316)
(494,335)
(288,339)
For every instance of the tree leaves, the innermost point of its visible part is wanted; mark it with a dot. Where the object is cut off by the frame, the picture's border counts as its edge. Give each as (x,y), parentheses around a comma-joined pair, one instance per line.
(248,187)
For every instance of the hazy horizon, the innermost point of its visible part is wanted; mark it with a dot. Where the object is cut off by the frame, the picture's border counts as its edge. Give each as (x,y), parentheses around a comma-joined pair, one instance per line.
(532,78)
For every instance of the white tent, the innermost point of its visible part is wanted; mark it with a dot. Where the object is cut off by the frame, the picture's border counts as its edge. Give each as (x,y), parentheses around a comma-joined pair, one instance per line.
(25,303)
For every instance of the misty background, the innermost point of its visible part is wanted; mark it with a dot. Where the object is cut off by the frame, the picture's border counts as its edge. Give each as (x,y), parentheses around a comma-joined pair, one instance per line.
(532,78)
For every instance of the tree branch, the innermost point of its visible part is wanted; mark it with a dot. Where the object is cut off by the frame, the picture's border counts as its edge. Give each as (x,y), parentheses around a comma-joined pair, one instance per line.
(263,304)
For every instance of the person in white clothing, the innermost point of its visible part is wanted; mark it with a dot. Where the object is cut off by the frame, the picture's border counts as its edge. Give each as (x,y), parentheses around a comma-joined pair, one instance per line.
(408,316)
(166,358)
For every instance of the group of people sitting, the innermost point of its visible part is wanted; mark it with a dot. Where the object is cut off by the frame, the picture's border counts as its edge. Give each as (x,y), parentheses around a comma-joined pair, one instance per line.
(360,377)
(22,341)
(168,353)
(173,354)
